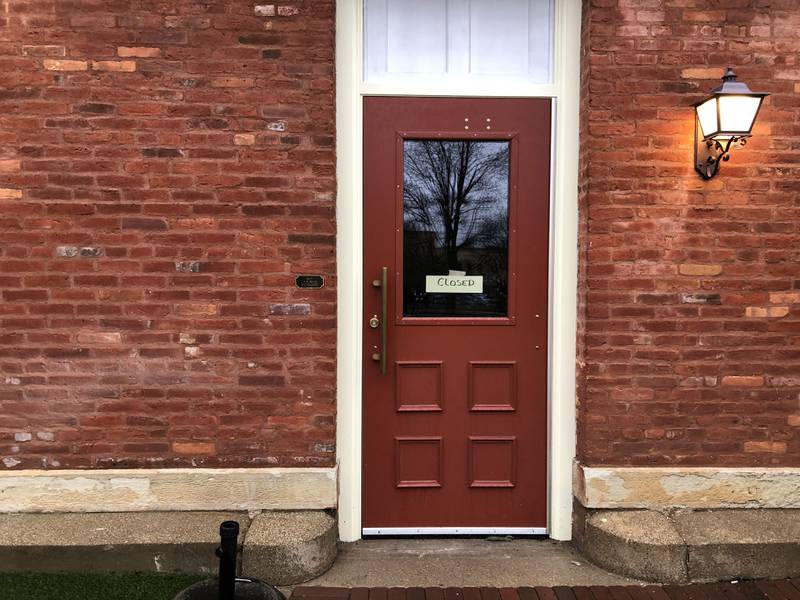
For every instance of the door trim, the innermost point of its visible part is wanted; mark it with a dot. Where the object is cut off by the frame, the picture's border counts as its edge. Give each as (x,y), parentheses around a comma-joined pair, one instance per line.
(565,91)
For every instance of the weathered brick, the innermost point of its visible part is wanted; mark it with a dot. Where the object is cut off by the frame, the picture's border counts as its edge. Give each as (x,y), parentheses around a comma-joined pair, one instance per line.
(769,311)
(187,267)
(700,270)
(10,165)
(67,251)
(743,380)
(45,50)
(162,152)
(95,108)
(143,223)
(194,448)
(262,380)
(244,139)
(99,337)
(91,252)
(197,309)
(265,10)
(290,309)
(65,65)
(174,21)
(765,447)
(138,52)
(116,66)
(701,298)
(785,298)
(10,194)
(232,82)
(93,20)
(261,39)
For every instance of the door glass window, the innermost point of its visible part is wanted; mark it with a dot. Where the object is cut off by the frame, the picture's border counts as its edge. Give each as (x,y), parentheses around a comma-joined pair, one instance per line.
(455,228)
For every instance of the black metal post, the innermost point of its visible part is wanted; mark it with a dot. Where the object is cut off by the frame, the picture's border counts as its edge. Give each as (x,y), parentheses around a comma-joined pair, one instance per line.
(229,534)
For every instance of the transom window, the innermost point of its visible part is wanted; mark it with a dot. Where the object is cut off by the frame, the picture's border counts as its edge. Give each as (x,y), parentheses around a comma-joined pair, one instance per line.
(418,40)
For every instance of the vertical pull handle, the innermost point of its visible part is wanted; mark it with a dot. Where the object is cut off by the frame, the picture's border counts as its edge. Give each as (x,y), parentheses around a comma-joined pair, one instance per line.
(382,283)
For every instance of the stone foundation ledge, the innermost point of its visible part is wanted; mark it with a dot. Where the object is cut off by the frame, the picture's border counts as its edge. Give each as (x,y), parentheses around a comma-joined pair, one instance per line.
(664,488)
(680,546)
(279,547)
(152,490)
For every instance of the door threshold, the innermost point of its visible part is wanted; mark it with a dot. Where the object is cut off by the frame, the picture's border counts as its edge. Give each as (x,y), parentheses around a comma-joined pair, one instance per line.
(454,531)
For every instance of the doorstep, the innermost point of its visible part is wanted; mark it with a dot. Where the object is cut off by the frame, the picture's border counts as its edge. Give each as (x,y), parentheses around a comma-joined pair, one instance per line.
(496,561)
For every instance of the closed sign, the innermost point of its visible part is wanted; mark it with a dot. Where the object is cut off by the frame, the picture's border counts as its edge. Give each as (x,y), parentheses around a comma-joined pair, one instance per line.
(454,284)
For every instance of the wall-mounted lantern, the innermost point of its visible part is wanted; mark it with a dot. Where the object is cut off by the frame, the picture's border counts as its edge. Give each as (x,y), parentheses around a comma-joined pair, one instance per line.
(722,120)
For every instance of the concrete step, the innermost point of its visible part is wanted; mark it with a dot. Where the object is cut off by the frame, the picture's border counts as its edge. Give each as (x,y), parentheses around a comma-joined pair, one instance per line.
(96,542)
(282,547)
(692,545)
(289,547)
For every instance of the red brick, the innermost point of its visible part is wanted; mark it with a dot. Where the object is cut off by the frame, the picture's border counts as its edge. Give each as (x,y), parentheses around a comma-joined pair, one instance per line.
(111,178)
(685,284)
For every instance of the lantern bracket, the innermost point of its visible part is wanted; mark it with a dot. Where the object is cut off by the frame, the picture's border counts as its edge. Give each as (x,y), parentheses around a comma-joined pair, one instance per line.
(708,154)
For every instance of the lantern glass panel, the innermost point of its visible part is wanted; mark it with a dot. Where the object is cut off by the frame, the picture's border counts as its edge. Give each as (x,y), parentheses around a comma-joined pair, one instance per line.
(707,113)
(737,113)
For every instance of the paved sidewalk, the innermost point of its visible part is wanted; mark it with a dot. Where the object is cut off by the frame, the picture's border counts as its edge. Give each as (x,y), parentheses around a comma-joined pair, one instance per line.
(786,589)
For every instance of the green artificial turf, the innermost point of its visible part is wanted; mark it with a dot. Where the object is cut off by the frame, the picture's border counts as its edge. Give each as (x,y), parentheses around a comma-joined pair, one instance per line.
(93,586)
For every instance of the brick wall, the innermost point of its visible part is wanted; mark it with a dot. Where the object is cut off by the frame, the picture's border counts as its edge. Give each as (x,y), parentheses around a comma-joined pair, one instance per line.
(692,311)
(166,170)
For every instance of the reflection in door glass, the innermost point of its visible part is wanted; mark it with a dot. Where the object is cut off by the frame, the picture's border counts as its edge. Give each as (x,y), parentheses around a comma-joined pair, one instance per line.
(455,228)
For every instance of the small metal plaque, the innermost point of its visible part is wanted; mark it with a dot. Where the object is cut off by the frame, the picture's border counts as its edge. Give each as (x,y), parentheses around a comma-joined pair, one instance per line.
(310,281)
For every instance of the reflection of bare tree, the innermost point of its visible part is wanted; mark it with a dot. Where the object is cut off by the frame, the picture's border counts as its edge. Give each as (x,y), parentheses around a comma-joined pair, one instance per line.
(455,197)
(451,188)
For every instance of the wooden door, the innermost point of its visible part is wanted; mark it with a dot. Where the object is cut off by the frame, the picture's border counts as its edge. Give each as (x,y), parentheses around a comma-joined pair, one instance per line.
(456,201)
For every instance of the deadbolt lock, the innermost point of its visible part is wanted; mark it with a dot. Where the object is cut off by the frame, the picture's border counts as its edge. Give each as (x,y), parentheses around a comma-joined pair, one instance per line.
(374,322)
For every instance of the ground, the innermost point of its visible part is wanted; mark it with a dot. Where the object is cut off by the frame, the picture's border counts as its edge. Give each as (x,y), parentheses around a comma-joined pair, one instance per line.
(80,586)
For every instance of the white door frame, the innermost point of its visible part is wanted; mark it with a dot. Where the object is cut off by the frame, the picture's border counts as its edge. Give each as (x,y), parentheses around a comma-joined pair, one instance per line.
(350,89)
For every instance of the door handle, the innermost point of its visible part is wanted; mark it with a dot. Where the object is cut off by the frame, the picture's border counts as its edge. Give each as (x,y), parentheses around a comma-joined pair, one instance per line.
(382,283)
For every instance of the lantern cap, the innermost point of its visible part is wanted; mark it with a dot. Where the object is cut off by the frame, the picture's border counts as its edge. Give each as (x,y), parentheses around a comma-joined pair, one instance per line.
(730,86)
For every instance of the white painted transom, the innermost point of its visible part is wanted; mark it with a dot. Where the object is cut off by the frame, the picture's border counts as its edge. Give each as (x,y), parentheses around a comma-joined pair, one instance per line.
(458,40)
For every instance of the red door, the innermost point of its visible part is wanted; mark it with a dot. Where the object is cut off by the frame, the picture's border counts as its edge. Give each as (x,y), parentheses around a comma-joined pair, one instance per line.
(456,200)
